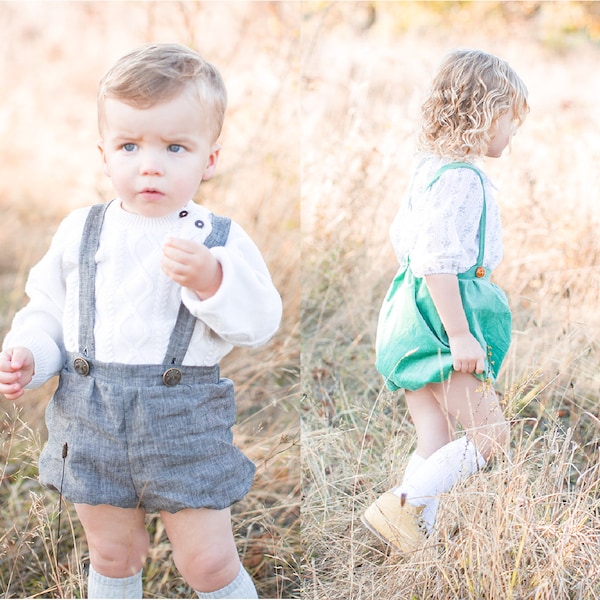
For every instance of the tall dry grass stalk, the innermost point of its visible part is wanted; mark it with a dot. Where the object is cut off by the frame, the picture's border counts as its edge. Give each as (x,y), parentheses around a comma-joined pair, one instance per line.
(527,526)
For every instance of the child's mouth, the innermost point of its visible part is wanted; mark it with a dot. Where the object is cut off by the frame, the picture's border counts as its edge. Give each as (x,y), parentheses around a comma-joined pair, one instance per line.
(151,193)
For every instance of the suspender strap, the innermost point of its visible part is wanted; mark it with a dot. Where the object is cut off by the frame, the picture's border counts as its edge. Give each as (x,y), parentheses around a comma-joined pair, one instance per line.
(219,233)
(184,326)
(90,239)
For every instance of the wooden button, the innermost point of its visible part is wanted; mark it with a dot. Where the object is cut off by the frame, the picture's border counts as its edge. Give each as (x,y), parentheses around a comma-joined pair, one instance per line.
(480,271)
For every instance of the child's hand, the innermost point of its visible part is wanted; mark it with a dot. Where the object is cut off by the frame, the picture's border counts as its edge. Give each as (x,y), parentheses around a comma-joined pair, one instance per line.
(16,371)
(467,354)
(193,266)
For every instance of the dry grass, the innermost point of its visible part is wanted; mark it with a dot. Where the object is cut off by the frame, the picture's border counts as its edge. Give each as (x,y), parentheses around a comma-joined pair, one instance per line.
(53,55)
(528,526)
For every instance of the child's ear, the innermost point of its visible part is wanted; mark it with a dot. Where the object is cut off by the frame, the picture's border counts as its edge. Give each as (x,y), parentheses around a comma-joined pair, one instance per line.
(211,164)
(100,145)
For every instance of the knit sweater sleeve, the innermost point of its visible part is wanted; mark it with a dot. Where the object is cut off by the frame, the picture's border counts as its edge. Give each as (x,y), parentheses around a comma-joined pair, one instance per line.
(39,325)
(246,310)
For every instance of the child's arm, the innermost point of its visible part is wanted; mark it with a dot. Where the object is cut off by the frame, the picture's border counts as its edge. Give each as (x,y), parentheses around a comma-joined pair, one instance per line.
(239,303)
(39,325)
(16,371)
(467,354)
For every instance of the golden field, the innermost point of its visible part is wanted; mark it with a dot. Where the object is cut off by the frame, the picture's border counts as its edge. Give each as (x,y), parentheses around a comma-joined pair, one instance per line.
(317,155)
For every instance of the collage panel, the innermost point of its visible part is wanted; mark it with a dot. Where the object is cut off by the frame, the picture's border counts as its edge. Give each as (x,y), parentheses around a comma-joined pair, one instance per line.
(53,58)
(526,524)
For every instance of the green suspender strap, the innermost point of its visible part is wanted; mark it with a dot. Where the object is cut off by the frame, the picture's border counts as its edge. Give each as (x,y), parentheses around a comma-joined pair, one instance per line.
(478,269)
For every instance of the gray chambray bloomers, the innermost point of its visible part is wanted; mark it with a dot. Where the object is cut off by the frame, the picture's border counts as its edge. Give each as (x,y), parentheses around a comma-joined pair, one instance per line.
(151,436)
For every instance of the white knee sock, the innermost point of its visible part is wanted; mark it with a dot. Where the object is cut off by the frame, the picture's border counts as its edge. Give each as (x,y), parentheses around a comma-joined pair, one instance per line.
(438,474)
(100,586)
(415,462)
(241,588)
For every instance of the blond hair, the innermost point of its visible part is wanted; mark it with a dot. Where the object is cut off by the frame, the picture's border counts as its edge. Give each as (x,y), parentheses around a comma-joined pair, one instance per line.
(158,72)
(471,90)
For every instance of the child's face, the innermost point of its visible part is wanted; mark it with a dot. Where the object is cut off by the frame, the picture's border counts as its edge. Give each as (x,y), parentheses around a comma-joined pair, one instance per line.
(156,157)
(502,131)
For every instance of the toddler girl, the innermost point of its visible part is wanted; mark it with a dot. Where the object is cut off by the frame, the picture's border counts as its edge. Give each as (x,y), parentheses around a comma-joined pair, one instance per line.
(449,230)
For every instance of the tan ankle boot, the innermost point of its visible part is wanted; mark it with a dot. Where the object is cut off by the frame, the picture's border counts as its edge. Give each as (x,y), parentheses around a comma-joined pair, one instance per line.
(395,522)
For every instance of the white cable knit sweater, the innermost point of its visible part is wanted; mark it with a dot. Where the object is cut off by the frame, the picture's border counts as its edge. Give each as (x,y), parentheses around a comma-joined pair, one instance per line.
(136,303)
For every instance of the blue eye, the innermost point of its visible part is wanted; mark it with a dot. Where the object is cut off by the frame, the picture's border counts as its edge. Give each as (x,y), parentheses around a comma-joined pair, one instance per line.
(176,148)
(129,147)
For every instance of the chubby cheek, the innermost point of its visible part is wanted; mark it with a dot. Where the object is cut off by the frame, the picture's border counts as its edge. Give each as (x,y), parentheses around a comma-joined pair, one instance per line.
(186,184)
(116,170)
(121,180)
(497,146)
(503,144)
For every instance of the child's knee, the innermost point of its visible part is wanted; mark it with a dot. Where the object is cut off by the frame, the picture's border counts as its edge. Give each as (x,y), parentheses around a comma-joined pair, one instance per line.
(117,539)
(210,570)
(119,558)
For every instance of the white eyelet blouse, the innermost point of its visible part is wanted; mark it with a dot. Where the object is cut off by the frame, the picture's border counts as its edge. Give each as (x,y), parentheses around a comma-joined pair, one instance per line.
(438,228)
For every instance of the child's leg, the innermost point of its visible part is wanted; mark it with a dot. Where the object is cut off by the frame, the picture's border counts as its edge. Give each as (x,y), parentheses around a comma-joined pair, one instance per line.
(476,408)
(387,517)
(118,544)
(204,551)
(434,427)
(478,411)
(393,516)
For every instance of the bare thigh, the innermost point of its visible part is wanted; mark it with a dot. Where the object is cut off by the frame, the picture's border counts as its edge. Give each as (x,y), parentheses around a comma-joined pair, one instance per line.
(434,426)
(117,538)
(204,549)
(475,406)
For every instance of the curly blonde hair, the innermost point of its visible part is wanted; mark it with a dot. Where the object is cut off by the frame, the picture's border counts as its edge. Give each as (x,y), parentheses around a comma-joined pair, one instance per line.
(471,90)
(158,72)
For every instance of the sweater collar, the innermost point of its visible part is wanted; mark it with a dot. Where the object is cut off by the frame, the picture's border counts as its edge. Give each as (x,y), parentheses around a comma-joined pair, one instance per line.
(124,219)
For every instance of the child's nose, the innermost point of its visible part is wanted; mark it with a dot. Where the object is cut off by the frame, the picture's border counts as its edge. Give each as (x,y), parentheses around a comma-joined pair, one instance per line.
(151,164)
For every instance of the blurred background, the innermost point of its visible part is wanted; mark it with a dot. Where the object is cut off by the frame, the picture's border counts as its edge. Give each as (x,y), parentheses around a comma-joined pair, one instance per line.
(52,55)
(528,527)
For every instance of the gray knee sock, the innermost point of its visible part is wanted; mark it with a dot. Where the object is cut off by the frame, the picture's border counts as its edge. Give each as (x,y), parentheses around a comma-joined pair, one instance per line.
(241,588)
(100,586)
